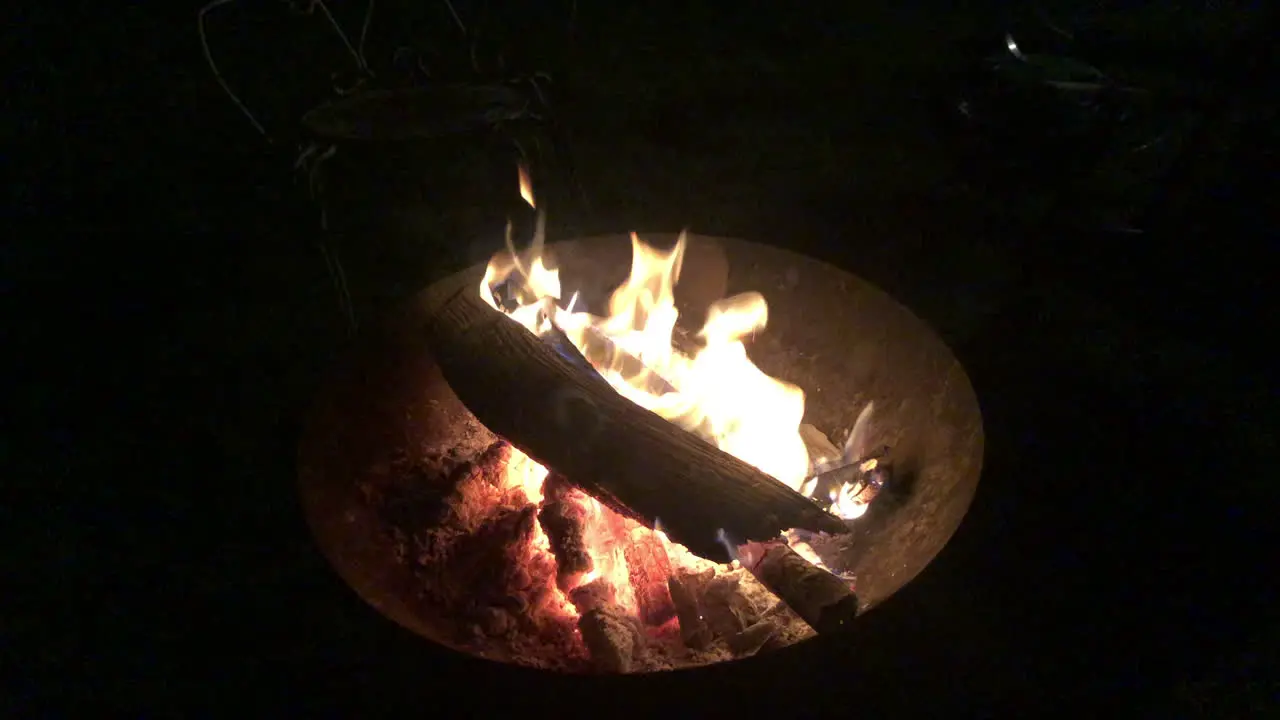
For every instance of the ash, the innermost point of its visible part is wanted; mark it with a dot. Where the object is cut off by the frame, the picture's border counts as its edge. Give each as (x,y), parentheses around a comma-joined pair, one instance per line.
(470,534)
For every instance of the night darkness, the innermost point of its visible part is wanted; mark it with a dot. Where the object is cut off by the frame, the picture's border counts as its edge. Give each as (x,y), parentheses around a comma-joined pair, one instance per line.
(1097,262)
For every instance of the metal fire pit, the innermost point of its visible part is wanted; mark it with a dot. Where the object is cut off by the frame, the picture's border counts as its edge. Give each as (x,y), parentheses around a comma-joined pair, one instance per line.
(842,340)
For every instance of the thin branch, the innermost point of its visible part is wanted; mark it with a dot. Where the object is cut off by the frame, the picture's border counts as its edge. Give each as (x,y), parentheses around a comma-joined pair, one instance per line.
(364,32)
(1043,16)
(339,279)
(456,17)
(338,29)
(217,74)
(313,160)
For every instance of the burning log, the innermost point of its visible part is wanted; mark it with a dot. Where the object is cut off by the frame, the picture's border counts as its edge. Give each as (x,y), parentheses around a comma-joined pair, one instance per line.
(603,352)
(648,567)
(821,599)
(561,413)
(564,521)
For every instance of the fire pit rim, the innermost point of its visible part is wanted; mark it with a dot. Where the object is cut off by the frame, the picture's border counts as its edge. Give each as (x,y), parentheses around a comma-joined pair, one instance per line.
(403,323)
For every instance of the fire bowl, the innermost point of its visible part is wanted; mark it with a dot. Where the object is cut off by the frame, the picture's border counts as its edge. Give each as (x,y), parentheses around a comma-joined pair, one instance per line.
(394,470)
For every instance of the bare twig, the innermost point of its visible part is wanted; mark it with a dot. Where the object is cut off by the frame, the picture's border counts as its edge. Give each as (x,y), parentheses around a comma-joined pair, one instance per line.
(340,282)
(456,18)
(1048,22)
(312,159)
(333,22)
(343,92)
(364,33)
(217,75)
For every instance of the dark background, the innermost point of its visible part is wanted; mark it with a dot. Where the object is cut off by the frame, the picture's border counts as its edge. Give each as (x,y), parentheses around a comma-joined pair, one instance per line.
(170,316)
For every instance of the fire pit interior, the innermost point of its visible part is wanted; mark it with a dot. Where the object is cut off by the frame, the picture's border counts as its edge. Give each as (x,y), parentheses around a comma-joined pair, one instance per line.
(834,409)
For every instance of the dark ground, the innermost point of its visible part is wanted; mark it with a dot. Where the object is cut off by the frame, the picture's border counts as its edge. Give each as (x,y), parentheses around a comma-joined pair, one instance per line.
(172,318)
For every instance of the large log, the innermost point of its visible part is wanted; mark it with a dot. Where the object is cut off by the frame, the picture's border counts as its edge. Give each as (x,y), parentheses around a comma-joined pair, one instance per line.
(552,405)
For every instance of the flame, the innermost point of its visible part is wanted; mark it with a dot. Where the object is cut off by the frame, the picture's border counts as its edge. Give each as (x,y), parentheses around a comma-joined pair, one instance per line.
(718,392)
(713,390)
(526,185)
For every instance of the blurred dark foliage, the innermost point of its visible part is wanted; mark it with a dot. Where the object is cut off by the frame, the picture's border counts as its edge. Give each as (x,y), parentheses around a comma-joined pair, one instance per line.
(1108,118)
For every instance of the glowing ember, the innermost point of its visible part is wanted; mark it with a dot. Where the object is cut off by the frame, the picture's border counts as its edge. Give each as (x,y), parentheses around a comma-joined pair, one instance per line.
(609,540)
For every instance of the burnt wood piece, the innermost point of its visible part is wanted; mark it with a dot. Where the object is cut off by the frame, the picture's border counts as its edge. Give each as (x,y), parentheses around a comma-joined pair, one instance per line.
(648,568)
(753,638)
(596,594)
(612,638)
(567,417)
(821,599)
(564,520)
(726,610)
(685,591)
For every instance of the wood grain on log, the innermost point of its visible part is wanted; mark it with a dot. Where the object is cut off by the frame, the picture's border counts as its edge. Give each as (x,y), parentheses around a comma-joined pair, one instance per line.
(554,407)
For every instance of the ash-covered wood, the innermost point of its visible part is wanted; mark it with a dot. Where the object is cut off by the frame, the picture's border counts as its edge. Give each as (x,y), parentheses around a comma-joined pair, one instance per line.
(823,600)
(557,410)
(564,521)
(686,589)
(753,638)
(725,608)
(649,567)
(613,638)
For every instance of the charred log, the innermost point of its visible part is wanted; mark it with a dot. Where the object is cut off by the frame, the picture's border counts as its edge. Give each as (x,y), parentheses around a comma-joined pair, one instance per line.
(561,413)
(821,599)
